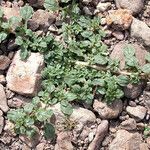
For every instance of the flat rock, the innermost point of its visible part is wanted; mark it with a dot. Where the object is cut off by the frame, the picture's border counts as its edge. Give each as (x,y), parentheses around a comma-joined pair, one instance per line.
(23,77)
(4,62)
(3,101)
(103,6)
(125,140)
(141,31)
(101,132)
(41,20)
(108,111)
(134,5)
(120,19)
(138,112)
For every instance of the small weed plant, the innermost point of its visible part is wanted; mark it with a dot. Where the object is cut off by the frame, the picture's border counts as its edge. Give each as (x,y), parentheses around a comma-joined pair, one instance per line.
(77,69)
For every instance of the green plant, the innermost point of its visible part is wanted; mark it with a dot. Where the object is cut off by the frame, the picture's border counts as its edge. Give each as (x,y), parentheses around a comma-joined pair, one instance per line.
(28,118)
(78,67)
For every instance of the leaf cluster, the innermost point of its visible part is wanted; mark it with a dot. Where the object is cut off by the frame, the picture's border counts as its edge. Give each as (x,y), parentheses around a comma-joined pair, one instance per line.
(28,118)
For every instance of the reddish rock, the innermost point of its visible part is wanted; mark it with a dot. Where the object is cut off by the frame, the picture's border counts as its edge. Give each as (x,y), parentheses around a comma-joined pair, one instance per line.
(23,77)
(41,20)
(119,19)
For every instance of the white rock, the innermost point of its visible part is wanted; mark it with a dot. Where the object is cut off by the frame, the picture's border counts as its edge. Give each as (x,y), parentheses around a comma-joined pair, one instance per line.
(140,30)
(103,6)
(137,112)
(23,77)
(3,100)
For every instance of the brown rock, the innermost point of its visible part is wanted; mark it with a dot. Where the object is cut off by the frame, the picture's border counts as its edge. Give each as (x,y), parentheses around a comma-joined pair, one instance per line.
(117,53)
(119,19)
(137,112)
(64,141)
(132,91)
(23,77)
(36,3)
(108,111)
(3,100)
(41,20)
(4,62)
(135,6)
(129,124)
(101,132)
(126,141)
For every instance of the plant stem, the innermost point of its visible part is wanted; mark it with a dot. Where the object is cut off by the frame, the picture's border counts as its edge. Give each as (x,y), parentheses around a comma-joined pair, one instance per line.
(102,68)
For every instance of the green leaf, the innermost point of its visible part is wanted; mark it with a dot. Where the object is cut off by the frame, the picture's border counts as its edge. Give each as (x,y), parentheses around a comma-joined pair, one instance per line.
(15,115)
(129,50)
(146,68)
(71,96)
(26,12)
(67,109)
(28,107)
(29,121)
(119,93)
(65,1)
(49,131)
(122,80)
(19,40)
(100,82)
(101,91)
(13,21)
(43,114)
(51,5)
(3,36)
(99,59)
(24,54)
(86,34)
(147,57)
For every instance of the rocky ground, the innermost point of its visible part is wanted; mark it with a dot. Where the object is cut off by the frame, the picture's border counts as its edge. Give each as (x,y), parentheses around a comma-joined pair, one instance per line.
(123,125)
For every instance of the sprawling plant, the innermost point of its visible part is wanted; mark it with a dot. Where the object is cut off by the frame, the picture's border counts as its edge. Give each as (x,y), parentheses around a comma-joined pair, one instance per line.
(78,67)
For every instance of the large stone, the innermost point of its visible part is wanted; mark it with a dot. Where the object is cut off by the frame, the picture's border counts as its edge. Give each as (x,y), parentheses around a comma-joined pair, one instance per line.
(101,132)
(134,5)
(41,20)
(137,112)
(4,62)
(133,91)
(108,111)
(120,19)
(80,116)
(141,31)
(3,101)
(23,77)
(125,140)
(117,53)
